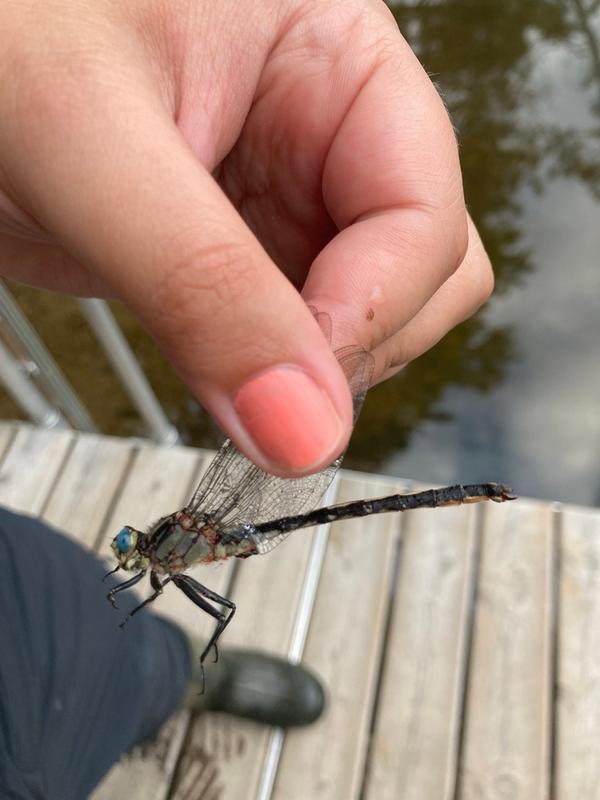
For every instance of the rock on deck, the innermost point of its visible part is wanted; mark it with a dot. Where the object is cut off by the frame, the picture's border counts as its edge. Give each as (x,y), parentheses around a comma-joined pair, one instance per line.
(460,647)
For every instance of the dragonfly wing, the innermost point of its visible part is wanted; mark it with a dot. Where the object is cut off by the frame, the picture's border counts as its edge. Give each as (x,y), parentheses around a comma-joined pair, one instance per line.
(267,542)
(235,491)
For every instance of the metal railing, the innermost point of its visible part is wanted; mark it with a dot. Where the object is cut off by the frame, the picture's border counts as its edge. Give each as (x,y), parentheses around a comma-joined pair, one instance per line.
(35,382)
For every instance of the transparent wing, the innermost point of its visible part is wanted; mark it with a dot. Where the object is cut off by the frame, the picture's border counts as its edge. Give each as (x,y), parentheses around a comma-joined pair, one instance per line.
(234,491)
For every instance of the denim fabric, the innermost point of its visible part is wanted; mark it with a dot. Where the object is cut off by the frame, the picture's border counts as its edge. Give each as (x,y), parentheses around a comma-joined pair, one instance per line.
(76,692)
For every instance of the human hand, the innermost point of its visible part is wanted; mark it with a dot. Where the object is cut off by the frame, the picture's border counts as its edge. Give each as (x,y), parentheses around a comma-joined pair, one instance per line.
(219,168)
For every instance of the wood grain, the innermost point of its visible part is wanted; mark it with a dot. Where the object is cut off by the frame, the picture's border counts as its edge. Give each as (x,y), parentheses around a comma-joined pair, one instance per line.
(343,647)
(31,466)
(508,711)
(88,485)
(577,772)
(8,430)
(465,706)
(415,743)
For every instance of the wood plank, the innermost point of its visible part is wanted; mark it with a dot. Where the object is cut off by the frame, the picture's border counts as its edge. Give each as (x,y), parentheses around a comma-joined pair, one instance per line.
(8,430)
(577,772)
(31,467)
(74,480)
(88,485)
(344,649)
(266,591)
(415,740)
(160,481)
(217,751)
(506,749)
(146,771)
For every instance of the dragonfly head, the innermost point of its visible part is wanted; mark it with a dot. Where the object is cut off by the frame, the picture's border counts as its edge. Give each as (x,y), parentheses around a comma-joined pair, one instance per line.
(126,547)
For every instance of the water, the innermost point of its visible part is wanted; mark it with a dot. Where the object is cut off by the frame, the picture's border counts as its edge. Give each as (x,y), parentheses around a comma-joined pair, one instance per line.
(514,394)
(522,80)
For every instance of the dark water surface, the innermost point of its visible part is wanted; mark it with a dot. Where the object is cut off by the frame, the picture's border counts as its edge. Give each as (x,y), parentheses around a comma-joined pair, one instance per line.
(513,394)
(522,80)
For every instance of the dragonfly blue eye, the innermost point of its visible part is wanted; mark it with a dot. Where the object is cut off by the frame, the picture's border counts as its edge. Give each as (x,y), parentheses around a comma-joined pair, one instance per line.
(123,540)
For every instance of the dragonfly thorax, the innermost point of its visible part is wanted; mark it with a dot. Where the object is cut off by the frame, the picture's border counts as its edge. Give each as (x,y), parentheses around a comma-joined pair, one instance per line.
(180,541)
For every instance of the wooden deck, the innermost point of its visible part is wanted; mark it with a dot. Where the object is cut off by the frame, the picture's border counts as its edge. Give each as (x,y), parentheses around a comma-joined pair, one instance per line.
(460,647)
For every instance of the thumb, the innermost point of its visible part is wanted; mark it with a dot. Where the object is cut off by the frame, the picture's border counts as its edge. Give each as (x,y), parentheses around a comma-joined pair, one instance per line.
(125,195)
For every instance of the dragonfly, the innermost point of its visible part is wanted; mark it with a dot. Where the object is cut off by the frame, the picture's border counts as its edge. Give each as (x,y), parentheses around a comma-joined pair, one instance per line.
(238,511)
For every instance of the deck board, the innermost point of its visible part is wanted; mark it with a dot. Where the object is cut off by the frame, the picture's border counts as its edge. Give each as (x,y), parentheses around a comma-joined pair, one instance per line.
(415,744)
(31,466)
(8,431)
(343,648)
(87,486)
(266,592)
(507,732)
(480,695)
(577,773)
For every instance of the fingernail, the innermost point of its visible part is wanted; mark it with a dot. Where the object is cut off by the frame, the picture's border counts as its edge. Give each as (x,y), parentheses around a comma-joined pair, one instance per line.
(290,419)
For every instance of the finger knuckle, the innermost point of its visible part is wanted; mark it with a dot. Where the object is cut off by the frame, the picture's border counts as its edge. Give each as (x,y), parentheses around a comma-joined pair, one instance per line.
(452,235)
(205,275)
(441,237)
(482,282)
(400,352)
(459,239)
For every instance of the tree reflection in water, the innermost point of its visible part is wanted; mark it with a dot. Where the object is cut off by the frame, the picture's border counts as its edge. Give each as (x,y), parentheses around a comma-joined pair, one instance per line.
(480,55)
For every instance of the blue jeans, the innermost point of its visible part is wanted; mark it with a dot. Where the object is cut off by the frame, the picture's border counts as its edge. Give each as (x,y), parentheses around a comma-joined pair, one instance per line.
(76,692)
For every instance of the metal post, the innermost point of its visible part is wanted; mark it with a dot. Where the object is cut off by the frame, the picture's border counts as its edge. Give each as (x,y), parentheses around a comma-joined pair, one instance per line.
(26,394)
(127,368)
(47,371)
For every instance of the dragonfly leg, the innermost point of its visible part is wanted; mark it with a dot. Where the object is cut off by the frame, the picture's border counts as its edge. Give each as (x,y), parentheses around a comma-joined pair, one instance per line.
(157,586)
(197,594)
(112,572)
(122,586)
